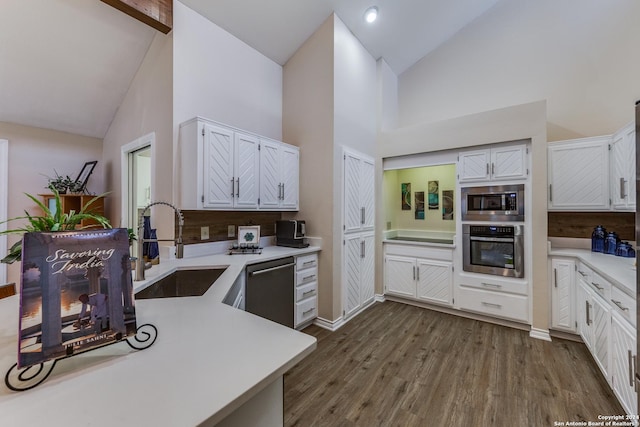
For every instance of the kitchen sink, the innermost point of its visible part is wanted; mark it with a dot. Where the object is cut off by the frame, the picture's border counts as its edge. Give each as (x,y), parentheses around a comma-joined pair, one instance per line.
(182,283)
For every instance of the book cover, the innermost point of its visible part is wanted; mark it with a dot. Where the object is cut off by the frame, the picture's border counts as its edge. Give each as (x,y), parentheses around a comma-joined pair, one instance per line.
(76,293)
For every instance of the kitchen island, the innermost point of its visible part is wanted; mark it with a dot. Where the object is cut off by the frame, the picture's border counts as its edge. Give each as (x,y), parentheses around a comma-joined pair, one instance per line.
(209,359)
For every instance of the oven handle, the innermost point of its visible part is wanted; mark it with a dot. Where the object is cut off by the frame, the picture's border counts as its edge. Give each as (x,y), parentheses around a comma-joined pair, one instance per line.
(492,239)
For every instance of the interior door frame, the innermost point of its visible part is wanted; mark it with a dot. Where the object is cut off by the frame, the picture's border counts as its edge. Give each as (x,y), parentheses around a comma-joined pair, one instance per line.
(4,202)
(148,140)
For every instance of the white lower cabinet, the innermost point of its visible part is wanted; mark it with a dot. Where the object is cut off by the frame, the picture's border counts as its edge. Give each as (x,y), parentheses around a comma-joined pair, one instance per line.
(428,279)
(624,363)
(359,271)
(306,292)
(563,294)
(593,324)
(497,298)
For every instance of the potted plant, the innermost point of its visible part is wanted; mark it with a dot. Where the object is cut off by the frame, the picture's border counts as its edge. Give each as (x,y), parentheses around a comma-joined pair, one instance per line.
(51,221)
(60,183)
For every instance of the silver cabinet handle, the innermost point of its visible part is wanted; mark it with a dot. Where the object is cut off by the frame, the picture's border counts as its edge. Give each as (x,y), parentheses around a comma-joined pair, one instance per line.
(490,304)
(283,191)
(418,273)
(238,192)
(307,312)
(620,306)
(630,367)
(279,191)
(622,188)
(493,168)
(309,262)
(635,369)
(582,273)
(233,187)
(555,277)
(598,287)
(308,292)
(313,276)
(487,168)
(550,193)
(414,272)
(362,213)
(588,313)
(361,248)
(492,285)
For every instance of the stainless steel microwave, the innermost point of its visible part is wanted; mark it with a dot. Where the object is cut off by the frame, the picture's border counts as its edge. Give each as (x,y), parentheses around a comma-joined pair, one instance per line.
(493,203)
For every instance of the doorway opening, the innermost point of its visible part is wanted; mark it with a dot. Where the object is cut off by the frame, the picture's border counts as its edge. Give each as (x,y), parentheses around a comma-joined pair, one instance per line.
(137,176)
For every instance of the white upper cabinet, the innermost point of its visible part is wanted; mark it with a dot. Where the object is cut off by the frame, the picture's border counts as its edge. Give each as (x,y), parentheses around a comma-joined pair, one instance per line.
(623,168)
(359,180)
(279,175)
(497,163)
(578,173)
(224,168)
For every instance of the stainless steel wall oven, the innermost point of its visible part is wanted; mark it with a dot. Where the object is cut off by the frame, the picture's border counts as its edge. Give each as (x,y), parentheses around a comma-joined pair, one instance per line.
(493,249)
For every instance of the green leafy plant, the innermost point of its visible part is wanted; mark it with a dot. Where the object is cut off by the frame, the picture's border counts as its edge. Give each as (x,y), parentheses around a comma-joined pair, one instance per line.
(52,221)
(61,183)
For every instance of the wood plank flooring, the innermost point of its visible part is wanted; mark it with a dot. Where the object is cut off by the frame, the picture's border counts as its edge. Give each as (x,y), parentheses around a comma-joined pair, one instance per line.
(399,365)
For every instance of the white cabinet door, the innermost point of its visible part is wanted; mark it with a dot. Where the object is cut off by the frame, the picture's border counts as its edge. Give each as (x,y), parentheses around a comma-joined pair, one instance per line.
(359,194)
(400,276)
(352,274)
(434,281)
(623,168)
(290,177)
(578,174)
(601,322)
(562,294)
(352,207)
(367,185)
(270,166)
(474,165)
(584,313)
(367,283)
(509,162)
(219,184)
(246,171)
(623,363)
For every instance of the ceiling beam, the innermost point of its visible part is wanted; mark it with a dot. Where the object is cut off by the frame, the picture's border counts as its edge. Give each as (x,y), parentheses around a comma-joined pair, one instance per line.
(155,13)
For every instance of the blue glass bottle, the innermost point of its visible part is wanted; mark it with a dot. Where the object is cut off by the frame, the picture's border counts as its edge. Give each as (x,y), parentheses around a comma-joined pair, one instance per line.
(611,243)
(597,239)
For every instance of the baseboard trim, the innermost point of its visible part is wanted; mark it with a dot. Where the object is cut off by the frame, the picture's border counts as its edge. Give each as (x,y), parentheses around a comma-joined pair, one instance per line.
(540,334)
(328,324)
(380,298)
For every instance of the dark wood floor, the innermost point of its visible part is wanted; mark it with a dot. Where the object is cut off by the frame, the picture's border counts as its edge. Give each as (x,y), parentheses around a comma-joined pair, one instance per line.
(399,365)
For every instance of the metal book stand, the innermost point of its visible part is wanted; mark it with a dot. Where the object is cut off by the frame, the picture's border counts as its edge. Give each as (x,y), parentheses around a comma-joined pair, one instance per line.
(32,376)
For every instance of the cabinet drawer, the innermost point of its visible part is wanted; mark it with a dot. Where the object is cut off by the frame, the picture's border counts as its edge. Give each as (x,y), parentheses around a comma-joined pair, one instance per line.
(499,304)
(624,305)
(307,261)
(490,284)
(306,310)
(306,291)
(306,276)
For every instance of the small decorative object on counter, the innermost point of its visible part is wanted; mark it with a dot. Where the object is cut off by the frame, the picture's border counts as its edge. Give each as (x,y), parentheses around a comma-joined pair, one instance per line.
(625,249)
(597,239)
(611,243)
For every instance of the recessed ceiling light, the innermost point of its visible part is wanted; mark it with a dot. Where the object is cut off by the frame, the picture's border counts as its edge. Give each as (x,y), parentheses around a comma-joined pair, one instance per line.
(371,14)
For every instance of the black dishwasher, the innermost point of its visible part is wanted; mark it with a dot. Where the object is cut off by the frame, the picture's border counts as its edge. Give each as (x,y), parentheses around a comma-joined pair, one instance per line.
(270,290)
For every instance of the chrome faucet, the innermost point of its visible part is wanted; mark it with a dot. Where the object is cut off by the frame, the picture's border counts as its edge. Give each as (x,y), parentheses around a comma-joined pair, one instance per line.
(141,240)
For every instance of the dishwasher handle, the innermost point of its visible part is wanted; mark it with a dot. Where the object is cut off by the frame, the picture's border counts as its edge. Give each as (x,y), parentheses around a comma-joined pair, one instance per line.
(266,270)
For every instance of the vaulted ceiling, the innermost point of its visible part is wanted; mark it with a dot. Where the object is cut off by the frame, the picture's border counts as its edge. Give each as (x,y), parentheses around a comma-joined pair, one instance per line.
(67,64)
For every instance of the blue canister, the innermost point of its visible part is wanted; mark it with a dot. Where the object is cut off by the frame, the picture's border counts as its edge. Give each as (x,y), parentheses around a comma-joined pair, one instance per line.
(597,239)
(624,249)
(611,243)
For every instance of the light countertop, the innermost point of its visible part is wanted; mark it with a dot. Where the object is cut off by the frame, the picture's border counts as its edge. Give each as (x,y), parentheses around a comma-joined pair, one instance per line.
(440,239)
(208,359)
(617,270)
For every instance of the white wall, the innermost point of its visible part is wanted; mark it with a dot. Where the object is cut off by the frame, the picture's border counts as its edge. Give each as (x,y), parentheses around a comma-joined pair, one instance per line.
(579,55)
(147,108)
(219,77)
(36,153)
